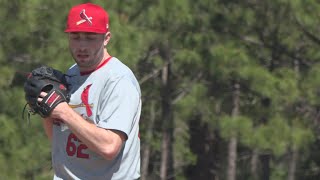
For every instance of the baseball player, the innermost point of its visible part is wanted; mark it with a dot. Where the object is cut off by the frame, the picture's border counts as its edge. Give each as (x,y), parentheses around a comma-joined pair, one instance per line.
(95,134)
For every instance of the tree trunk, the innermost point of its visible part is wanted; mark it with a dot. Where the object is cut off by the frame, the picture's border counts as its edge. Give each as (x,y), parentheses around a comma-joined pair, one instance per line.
(265,163)
(294,152)
(293,164)
(232,165)
(254,165)
(146,150)
(166,167)
(164,157)
(232,147)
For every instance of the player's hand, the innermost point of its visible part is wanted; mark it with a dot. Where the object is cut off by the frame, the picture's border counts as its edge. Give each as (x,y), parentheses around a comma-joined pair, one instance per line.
(42,95)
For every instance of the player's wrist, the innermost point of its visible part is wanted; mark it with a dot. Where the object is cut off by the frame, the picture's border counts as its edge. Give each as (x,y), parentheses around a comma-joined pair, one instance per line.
(61,111)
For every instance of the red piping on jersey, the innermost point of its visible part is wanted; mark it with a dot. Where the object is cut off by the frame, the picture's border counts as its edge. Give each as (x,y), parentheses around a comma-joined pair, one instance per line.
(85,99)
(100,65)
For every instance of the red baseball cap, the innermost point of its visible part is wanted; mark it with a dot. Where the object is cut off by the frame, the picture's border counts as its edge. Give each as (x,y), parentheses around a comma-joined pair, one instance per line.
(88,17)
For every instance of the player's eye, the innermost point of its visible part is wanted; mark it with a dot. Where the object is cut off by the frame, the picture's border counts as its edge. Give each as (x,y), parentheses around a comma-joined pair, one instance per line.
(91,37)
(74,36)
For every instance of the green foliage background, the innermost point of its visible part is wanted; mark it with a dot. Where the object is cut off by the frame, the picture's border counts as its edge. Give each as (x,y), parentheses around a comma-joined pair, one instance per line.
(270,48)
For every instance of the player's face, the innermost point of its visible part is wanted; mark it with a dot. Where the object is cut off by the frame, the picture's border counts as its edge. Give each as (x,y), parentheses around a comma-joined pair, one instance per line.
(87,49)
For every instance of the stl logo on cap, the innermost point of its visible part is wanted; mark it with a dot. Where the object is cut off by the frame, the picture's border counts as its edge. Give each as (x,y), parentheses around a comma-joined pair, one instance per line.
(84,18)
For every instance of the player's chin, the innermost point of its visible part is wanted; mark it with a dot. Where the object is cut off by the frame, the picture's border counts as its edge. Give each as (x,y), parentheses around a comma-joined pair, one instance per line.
(83,60)
(83,63)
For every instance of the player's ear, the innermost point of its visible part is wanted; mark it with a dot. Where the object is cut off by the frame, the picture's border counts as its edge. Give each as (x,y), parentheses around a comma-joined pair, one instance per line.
(107,38)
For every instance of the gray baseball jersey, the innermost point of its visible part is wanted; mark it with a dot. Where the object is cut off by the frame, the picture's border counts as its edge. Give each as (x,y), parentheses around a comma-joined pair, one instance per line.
(109,97)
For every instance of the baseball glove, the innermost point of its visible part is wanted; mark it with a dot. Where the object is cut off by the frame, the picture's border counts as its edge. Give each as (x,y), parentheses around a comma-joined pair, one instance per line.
(51,81)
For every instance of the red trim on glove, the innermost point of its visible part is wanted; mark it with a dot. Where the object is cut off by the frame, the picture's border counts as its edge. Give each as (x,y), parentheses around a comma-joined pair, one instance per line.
(53,98)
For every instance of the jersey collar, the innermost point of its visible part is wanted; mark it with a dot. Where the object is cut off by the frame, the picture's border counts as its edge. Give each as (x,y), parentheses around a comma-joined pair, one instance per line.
(102,64)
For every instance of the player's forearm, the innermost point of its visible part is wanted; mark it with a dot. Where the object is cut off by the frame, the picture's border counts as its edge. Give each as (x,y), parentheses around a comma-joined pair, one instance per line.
(102,141)
(99,140)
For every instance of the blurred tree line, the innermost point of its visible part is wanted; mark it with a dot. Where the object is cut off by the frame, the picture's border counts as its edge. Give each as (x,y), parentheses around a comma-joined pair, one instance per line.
(230,88)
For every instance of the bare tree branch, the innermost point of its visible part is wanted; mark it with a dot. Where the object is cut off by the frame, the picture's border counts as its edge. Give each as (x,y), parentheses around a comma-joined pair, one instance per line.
(186,90)
(153,74)
(311,36)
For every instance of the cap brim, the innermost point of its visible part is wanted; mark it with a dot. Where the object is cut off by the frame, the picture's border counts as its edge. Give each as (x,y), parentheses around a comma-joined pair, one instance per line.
(92,30)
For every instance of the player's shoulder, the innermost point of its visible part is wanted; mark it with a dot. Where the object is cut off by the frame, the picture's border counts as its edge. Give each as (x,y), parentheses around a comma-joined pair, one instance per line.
(117,66)
(73,70)
(116,69)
